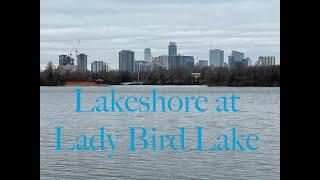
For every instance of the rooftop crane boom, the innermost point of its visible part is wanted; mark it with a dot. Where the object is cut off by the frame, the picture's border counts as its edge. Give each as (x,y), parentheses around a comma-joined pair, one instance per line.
(77,48)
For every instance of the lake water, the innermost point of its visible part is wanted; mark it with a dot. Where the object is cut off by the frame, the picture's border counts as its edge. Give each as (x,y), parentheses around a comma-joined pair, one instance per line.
(259,113)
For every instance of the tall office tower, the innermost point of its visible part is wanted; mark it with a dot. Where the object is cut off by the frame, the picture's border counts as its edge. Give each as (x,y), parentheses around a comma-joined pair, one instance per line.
(235,57)
(231,62)
(175,62)
(238,56)
(266,61)
(126,60)
(98,66)
(188,62)
(147,55)
(216,57)
(172,49)
(82,62)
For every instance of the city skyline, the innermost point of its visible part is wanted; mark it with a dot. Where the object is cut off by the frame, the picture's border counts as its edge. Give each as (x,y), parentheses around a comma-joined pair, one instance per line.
(128,62)
(171,61)
(106,27)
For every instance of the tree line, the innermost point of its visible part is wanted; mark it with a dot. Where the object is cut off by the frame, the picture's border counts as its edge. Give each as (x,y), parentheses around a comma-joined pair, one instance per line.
(211,76)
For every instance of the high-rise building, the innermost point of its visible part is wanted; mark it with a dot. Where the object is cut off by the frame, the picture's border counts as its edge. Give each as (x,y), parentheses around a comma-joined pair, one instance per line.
(156,64)
(266,61)
(188,62)
(174,62)
(180,61)
(236,56)
(66,63)
(82,62)
(216,57)
(147,55)
(98,66)
(172,49)
(141,66)
(231,62)
(201,64)
(65,59)
(126,60)
(204,63)
(163,60)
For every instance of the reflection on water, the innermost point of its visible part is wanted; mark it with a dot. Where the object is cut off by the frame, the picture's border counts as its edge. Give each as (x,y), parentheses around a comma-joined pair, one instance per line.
(259,113)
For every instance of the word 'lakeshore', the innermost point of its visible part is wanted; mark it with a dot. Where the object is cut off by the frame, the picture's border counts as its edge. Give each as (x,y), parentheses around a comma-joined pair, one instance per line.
(154,103)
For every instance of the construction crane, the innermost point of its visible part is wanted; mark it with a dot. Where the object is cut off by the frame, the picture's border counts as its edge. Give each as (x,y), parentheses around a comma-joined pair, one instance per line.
(107,69)
(77,48)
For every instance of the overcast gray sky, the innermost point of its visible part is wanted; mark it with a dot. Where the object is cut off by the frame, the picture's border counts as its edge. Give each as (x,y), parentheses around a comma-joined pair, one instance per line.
(104,27)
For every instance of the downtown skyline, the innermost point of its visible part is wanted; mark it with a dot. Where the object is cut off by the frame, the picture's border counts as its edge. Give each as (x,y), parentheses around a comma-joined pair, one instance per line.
(142,57)
(106,27)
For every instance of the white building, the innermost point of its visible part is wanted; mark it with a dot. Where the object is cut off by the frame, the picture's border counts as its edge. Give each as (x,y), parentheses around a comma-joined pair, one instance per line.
(216,57)
(266,61)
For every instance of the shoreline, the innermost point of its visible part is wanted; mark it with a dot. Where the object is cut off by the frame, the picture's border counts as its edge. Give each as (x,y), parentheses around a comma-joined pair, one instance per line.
(105,85)
(81,83)
(95,84)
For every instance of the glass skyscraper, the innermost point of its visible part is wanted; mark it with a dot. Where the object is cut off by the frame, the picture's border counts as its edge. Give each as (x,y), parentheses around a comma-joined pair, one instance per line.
(147,55)
(216,57)
(236,56)
(172,49)
(82,62)
(126,60)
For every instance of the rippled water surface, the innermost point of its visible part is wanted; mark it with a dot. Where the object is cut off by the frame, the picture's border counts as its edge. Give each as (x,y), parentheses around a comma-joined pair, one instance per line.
(259,113)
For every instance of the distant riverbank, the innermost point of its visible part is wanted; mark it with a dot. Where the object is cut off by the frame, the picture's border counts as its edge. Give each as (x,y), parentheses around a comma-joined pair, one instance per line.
(80,83)
(255,76)
(87,83)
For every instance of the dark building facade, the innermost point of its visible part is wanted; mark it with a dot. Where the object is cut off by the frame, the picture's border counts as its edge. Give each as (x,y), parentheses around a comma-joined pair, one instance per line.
(126,60)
